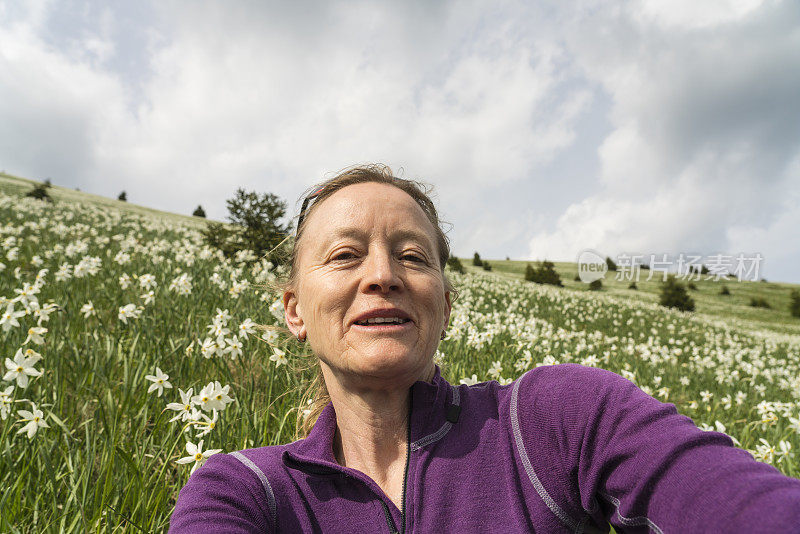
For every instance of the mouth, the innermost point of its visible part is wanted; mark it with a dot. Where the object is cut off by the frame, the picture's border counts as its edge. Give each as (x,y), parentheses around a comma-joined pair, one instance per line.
(384,318)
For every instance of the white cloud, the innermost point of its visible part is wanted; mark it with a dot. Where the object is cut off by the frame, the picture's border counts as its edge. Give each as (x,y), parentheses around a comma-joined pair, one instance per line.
(704,122)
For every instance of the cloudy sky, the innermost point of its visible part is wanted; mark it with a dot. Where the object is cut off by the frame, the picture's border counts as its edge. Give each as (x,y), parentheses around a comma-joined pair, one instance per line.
(546,127)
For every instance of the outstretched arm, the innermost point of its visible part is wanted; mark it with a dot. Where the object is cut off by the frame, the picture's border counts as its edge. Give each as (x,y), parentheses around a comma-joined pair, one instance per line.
(640,465)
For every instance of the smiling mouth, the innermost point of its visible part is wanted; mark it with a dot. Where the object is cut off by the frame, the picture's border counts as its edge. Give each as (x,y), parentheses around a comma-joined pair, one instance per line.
(375,321)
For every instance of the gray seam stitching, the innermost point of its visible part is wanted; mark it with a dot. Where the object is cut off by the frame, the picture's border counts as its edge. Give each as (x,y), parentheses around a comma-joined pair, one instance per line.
(631,521)
(444,429)
(526,462)
(264,482)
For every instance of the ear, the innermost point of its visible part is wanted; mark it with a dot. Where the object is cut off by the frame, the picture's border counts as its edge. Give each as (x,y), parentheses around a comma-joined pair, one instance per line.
(448,309)
(292,314)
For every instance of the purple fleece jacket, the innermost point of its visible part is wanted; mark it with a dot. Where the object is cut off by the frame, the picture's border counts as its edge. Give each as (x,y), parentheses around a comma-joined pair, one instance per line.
(564,448)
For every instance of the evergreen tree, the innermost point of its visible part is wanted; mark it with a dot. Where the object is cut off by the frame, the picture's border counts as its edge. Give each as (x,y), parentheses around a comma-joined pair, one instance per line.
(123,197)
(544,274)
(455,264)
(794,305)
(674,295)
(39,192)
(476,260)
(199,212)
(255,225)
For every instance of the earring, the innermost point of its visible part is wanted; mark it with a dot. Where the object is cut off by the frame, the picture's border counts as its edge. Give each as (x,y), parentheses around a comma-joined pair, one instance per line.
(444,335)
(301,338)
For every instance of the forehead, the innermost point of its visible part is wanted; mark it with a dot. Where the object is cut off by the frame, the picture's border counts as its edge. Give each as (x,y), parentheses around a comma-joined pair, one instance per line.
(365,207)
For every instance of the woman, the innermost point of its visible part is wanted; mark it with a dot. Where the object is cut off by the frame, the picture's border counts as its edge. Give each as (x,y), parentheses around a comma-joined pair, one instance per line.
(396,448)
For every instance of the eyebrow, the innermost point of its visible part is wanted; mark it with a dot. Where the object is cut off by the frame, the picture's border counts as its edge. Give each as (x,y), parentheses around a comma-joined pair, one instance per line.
(359,233)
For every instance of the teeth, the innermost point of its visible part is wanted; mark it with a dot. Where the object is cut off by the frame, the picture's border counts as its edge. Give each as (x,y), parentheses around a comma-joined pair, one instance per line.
(382,320)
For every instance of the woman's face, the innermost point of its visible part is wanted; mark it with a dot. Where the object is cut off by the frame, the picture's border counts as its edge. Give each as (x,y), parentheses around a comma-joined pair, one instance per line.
(370,293)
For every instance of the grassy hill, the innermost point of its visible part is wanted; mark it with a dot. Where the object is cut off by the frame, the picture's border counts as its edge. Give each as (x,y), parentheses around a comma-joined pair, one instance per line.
(14,185)
(734,309)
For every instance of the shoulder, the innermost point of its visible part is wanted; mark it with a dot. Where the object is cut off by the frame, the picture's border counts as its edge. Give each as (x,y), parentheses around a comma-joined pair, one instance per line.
(573,382)
(565,403)
(231,491)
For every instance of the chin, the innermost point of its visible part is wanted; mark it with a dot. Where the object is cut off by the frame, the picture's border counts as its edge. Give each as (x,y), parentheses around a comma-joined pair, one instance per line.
(392,361)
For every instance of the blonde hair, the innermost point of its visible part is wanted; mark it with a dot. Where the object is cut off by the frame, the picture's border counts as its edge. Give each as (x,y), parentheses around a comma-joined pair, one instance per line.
(316,397)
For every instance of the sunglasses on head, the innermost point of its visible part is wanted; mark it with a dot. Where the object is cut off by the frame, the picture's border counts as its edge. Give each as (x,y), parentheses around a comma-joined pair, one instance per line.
(312,196)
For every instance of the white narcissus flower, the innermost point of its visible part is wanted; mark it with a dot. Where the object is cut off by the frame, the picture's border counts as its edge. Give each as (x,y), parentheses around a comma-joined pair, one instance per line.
(279,357)
(148,297)
(159,381)
(213,397)
(147,281)
(35,334)
(234,347)
(247,327)
(124,281)
(5,402)
(196,455)
(21,367)
(208,347)
(129,311)
(220,394)
(184,408)
(207,425)
(35,421)
(9,318)
(277,309)
(471,381)
(42,314)
(88,310)
(222,317)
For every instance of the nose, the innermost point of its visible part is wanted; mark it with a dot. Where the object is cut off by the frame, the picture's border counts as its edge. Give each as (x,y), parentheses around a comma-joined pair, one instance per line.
(380,273)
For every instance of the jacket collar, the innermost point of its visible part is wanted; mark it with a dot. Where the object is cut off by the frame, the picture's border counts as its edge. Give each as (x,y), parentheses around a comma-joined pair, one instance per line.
(429,411)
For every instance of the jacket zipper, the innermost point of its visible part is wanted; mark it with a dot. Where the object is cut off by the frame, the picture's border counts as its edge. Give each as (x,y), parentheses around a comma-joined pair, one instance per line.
(405,473)
(389,521)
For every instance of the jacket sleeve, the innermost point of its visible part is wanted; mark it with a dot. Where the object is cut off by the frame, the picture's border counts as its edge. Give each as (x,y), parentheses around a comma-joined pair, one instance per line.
(221,496)
(640,465)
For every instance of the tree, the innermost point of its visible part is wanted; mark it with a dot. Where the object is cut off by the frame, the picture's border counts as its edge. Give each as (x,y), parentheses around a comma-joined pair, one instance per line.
(476,260)
(759,302)
(544,274)
(39,192)
(255,225)
(611,265)
(674,295)
(486,266)
(724,290)
(455,264)
(595,285)
(123,197)
(199,212)
(794,305)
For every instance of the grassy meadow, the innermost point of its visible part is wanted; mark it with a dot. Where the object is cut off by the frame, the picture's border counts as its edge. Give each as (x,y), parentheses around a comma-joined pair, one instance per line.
(131,348)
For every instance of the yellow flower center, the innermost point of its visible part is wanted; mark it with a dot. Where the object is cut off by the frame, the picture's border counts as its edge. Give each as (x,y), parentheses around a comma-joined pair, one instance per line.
(19,369)
(198,457)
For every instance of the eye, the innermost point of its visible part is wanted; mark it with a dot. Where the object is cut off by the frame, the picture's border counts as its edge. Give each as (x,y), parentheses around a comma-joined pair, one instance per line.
(412,256)
(343,256)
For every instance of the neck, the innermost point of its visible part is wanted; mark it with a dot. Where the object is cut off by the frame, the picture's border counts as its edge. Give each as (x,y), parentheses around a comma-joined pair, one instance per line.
(372,423)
